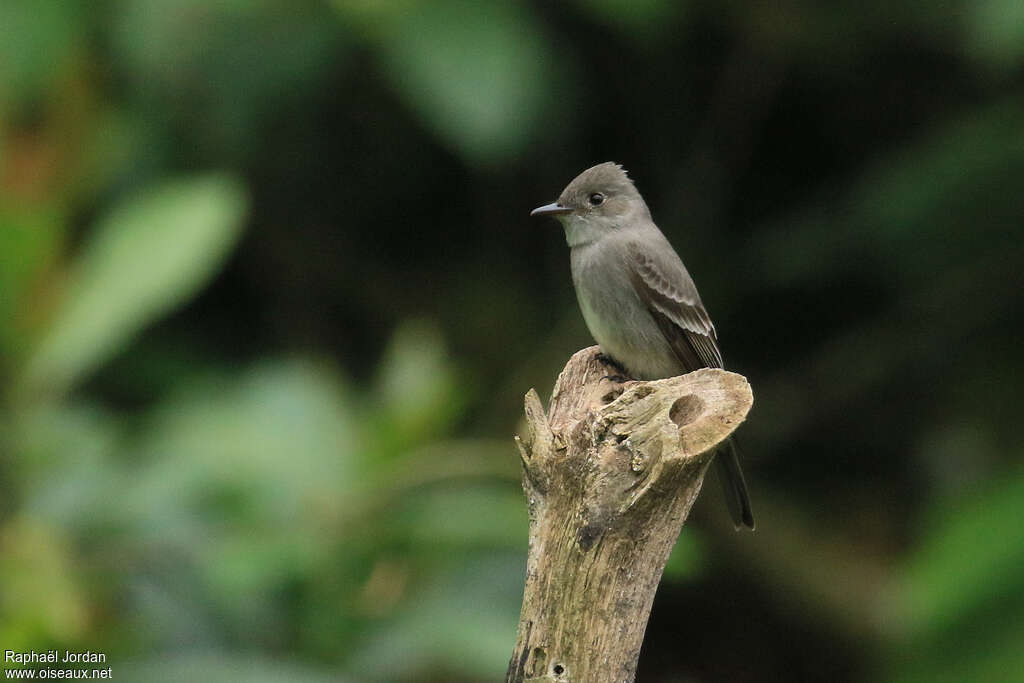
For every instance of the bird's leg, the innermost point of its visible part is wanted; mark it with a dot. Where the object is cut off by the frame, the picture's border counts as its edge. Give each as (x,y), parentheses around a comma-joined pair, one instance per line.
(621,376)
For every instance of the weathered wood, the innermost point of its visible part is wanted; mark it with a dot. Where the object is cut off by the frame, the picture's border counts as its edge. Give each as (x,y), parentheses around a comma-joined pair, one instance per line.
(610,474)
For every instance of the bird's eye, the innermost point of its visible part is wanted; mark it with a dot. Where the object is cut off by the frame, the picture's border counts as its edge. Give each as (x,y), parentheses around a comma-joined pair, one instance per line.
(596,198)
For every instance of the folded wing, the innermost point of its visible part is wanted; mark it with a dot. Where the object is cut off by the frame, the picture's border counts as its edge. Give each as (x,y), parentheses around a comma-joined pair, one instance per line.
(661,281)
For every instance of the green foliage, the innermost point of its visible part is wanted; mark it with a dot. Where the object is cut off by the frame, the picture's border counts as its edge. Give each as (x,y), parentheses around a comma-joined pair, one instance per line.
(43,599)
(239,488)
(144,258)
(686,560)
(255,422)
(635,19)
(995,30)
(416,391)
(37,40)
(223,669)
(29,239)
(476,72)
(908,208)
(241,64)
(962,616)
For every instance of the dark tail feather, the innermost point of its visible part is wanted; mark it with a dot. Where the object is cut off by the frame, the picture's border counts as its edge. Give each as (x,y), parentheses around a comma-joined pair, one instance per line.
(734,487)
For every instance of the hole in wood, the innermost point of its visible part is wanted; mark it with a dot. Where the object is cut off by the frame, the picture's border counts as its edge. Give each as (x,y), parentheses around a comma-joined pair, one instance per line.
(586,536)
(558,669)
(686,409)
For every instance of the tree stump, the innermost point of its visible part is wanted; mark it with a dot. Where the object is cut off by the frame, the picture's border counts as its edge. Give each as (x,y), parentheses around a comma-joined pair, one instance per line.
(610,474)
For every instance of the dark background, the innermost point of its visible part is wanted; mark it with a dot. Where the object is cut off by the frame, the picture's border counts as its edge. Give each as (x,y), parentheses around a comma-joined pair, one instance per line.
(270,298)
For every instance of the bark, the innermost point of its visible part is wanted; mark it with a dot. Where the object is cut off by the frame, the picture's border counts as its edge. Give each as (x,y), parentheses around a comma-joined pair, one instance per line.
(610,474)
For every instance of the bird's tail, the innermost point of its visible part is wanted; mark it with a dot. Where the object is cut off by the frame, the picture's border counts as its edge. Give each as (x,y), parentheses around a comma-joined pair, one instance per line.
(733,486)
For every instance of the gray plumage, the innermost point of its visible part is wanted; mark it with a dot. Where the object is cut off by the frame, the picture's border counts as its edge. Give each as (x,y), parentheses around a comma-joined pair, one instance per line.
(637,298)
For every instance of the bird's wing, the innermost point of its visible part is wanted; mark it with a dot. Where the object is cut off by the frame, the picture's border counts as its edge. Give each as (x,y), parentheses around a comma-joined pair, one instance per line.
(661,281)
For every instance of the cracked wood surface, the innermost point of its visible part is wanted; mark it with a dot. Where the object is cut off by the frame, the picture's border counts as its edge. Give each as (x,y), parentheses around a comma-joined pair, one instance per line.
(610,473)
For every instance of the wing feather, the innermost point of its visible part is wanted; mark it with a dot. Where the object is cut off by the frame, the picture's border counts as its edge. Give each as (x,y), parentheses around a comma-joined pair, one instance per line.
(667,290)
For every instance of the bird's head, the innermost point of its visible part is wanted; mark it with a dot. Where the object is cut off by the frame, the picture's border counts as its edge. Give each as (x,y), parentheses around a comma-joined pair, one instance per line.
(598,201)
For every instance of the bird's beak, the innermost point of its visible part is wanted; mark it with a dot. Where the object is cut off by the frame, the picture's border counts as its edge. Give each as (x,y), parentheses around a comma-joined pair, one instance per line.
(553,209)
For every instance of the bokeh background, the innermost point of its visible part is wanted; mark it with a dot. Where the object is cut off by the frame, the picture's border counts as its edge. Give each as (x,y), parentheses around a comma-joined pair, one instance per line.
(270,299)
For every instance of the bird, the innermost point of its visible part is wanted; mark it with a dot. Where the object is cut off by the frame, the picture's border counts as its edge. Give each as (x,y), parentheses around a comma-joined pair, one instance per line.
(637,298)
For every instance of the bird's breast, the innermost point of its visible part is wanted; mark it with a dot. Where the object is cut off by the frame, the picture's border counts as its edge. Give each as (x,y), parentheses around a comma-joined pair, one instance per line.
(615,315)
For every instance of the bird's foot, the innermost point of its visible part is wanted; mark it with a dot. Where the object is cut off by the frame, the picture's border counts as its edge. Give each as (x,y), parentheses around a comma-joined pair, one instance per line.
(618,377)
(621,376)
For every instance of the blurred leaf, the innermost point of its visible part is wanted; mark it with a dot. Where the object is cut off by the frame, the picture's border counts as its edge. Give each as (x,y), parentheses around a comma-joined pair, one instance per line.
(970,558)
(468,515)
(146,257)
(36,38)
(223,67)
(29,238)
(241,481)
(66,461)
(949,195)
(636,18)
(41,601)
(995,32)
(464,625)
(266,450)
(232,489)
(476,72)
(120,149)
(416,388)
(963,611)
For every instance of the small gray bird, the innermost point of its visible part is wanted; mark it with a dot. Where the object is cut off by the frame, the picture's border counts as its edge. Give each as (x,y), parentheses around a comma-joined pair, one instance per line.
(637,297)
